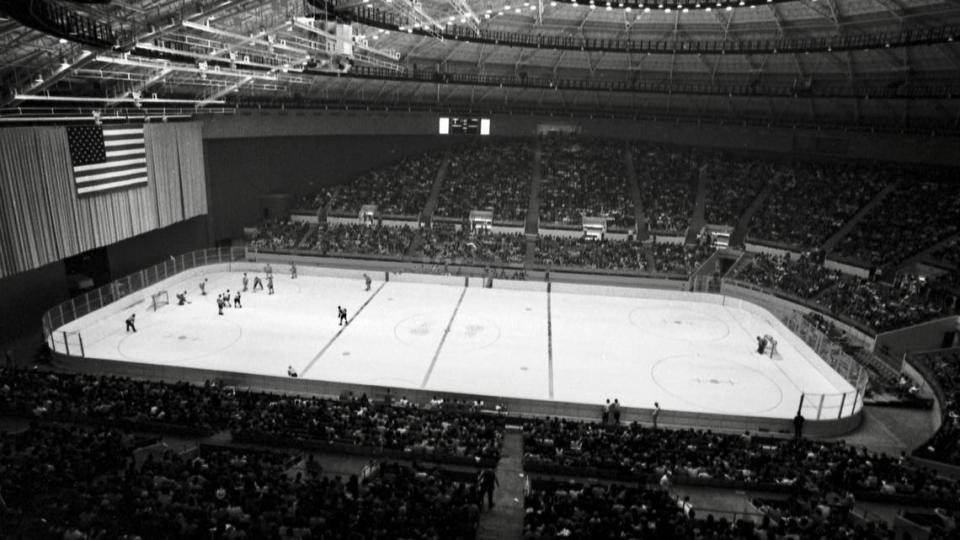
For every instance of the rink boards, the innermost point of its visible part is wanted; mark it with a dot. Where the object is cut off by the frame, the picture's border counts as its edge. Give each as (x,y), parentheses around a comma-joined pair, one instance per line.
(692,353)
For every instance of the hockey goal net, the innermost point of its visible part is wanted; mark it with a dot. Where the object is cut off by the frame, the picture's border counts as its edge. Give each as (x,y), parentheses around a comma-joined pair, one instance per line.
(159,299)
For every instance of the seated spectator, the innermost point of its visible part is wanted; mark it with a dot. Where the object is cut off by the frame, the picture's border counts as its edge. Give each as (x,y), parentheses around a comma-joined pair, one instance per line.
(925,209)
(667,178)
(400,189)
(598,254)
(680,258)
(585,177)
(489,175)
(343,238)
(448,242)
(811,201)
(800,276)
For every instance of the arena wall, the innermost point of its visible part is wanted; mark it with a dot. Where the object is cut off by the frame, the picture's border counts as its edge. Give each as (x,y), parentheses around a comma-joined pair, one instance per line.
(743,138)
(241,170)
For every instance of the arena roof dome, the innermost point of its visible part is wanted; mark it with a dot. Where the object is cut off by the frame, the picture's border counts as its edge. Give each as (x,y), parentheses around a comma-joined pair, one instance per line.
(856,63)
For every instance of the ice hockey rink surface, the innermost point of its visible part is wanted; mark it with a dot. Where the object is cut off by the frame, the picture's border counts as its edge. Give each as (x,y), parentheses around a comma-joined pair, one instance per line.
(578,343)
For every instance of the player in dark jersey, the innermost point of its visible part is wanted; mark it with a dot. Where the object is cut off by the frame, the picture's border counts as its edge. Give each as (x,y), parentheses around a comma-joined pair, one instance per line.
(342,314)
(220,305)
(257,283)
(270,283)
(236,300)
(367,280)
(130,320)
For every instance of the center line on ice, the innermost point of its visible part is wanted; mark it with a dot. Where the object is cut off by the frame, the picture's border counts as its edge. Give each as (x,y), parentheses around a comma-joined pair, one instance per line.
(549,344)
(342,328)
(443,339)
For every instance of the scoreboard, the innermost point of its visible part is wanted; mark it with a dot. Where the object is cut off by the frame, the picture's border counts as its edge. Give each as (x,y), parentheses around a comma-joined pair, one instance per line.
(463,125)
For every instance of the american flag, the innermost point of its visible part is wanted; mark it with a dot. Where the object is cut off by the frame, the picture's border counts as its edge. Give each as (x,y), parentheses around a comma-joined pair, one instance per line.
(107,159)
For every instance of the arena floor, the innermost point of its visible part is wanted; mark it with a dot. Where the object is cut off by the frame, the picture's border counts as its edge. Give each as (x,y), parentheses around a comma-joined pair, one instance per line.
(577,344)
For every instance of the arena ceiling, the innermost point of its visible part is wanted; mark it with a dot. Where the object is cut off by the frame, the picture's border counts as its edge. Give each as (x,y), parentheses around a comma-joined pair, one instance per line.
(870,63)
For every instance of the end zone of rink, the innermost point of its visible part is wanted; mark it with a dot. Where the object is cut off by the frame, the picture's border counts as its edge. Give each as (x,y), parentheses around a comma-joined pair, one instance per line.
(739,309)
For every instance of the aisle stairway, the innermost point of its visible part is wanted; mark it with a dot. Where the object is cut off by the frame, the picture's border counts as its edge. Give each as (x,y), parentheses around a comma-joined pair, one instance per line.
(643,226)
(426,215)
(431,204)
(698,220)
(532,227)
(743,224)
(505,520)
(835,239)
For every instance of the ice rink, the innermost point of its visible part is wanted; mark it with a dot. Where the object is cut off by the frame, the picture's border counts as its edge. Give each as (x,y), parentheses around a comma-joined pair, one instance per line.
(578,343)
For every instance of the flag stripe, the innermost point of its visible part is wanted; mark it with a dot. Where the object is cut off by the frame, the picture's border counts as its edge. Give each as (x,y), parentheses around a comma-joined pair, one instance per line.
(112,174)
(122,142)
(107,159)
(108,165)
(130,152)
(116,132)
(110,186)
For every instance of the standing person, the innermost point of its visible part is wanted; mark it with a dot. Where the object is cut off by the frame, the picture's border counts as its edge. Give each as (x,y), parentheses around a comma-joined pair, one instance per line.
(226,298)
(798,421)
(257,283)
(605,415)
(268,270)
(761,345)
(220,305)
(656,413)
(615,411)
(293,270)
(367,280)
(203,287)
(130,320)
(236,300)
(342,314)
(270,283)
(487,480)
(245,281)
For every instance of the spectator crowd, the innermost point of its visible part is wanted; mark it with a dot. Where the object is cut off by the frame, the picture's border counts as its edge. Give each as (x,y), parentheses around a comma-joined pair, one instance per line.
(560,251)
(667,178)
(106,484)
(485,175)
(445,241)
(401,189)
(585,177)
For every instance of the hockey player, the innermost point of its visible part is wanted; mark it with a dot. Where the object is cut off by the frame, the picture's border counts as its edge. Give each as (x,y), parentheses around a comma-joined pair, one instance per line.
(342,314)
(226,298)
(268,270)
(203,287)
(270,283)
(257,283)
(367,280)
(236,300)
(182,298)
(293,270)
(220,305)
(245,281)
(130,320)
